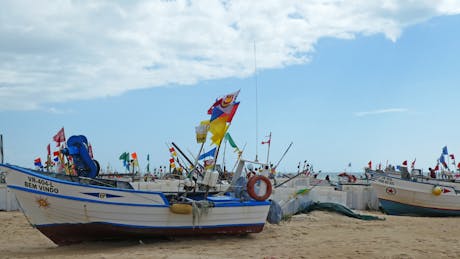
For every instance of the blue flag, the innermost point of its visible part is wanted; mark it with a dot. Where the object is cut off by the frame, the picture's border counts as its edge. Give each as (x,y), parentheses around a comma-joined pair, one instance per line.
(441,158)
(209,153)
(444,150)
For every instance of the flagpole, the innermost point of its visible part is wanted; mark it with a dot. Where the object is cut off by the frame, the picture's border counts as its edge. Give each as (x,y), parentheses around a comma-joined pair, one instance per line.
(1,148)
(269,143)
(257,112)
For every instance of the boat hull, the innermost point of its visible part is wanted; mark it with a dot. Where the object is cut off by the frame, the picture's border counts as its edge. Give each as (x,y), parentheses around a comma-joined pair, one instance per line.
(69,212)
(412,198)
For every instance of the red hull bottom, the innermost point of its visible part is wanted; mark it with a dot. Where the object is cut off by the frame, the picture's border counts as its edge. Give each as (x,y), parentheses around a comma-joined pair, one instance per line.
(76,233)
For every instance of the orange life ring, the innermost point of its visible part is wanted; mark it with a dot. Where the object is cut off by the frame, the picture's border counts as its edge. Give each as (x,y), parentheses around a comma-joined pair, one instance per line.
(251,187)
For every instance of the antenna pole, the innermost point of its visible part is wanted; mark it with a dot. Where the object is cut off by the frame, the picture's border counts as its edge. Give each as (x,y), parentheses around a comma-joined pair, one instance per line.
(257,113)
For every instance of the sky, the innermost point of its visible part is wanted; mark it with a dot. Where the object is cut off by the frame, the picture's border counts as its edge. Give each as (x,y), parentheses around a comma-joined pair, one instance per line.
(347,81)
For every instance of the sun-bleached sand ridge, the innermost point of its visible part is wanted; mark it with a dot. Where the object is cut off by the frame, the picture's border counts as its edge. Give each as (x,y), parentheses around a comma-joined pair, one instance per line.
(314,235)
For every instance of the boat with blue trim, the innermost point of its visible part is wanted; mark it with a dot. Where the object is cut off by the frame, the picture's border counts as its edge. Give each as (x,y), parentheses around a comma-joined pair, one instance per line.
(72,209)
(417,196)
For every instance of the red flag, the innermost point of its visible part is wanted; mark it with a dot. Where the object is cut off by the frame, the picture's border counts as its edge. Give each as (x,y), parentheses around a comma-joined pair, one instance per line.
(437,167)
(370,164)
(412,165)
(404,163)
(134,155)
(452,156)
(49,149)
(458,166)
(232,112)
(171,160)
(56,153)
(59,137)
(269,139)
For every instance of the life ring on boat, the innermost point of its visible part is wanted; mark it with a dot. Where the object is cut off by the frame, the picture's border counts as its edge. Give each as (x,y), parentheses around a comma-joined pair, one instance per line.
(251,187)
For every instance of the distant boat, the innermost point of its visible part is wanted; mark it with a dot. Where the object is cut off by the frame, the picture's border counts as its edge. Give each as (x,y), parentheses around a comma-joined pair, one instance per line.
(417,197)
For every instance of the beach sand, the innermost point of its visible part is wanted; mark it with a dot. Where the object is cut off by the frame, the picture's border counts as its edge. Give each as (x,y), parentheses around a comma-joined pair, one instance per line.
(314,235)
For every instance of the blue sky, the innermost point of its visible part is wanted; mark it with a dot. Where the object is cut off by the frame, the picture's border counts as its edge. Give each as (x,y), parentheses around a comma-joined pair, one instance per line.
(348,81)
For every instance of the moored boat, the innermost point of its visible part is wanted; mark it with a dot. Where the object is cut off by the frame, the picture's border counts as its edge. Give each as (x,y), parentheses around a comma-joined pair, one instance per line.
(80,209)
(416,197)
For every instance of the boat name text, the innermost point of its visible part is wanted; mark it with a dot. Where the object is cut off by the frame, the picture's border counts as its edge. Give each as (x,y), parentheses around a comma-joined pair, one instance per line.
(40,184)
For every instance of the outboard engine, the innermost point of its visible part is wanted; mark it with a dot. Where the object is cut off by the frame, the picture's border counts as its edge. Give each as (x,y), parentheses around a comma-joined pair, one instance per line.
(77,148)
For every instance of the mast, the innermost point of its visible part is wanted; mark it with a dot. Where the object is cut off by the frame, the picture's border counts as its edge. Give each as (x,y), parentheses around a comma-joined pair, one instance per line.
(257,113)
(269,142)
(1,149)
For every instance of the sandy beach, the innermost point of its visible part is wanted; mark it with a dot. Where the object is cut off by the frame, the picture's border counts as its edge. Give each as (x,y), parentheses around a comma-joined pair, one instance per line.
(314,235)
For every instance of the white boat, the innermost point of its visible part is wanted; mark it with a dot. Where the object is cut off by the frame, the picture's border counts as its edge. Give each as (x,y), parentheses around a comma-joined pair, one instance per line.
(417,197)
(71,209)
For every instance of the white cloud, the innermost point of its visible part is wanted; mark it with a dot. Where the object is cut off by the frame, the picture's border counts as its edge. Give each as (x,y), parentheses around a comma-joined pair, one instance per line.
(382,111)
(55,51)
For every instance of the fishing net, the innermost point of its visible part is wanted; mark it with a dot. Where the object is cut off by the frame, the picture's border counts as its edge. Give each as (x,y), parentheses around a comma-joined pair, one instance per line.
(199,209)
(339,208)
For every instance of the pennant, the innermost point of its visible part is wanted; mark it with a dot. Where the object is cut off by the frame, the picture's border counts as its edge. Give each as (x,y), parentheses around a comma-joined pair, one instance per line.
(349,164)
(134,156)
(380,166)
(225,107)
(38,162)
(124,156)
(211,152)
(443,161)
(404,163)
(173,151)
(230,141)
(48,148)
(436,168)
(444,150)
(412,165)
(171,163)
(202,132)
(452,156)
(218,127)
(208,164)
(370,164)
(458,166)
(59,137)
(266,142)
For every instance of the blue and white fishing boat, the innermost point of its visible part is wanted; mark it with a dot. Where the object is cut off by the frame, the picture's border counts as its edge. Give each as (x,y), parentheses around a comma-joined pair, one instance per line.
(71,209)
(416,196)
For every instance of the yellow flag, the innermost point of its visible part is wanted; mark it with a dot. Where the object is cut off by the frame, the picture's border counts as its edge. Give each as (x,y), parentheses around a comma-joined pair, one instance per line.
(218,127)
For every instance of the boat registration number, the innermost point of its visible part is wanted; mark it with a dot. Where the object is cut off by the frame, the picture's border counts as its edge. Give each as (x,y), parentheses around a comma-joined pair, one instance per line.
(40,184)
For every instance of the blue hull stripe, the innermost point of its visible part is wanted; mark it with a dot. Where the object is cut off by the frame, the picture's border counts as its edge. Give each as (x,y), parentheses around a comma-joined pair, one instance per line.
(222,204)
(397,208)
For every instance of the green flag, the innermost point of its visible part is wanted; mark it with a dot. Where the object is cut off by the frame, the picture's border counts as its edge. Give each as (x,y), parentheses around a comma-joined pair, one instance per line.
(230,141)
(124,156)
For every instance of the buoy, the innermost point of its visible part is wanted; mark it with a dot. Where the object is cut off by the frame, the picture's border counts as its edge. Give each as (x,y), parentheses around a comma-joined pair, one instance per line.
(181,208)
(437,190)
(251,187)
